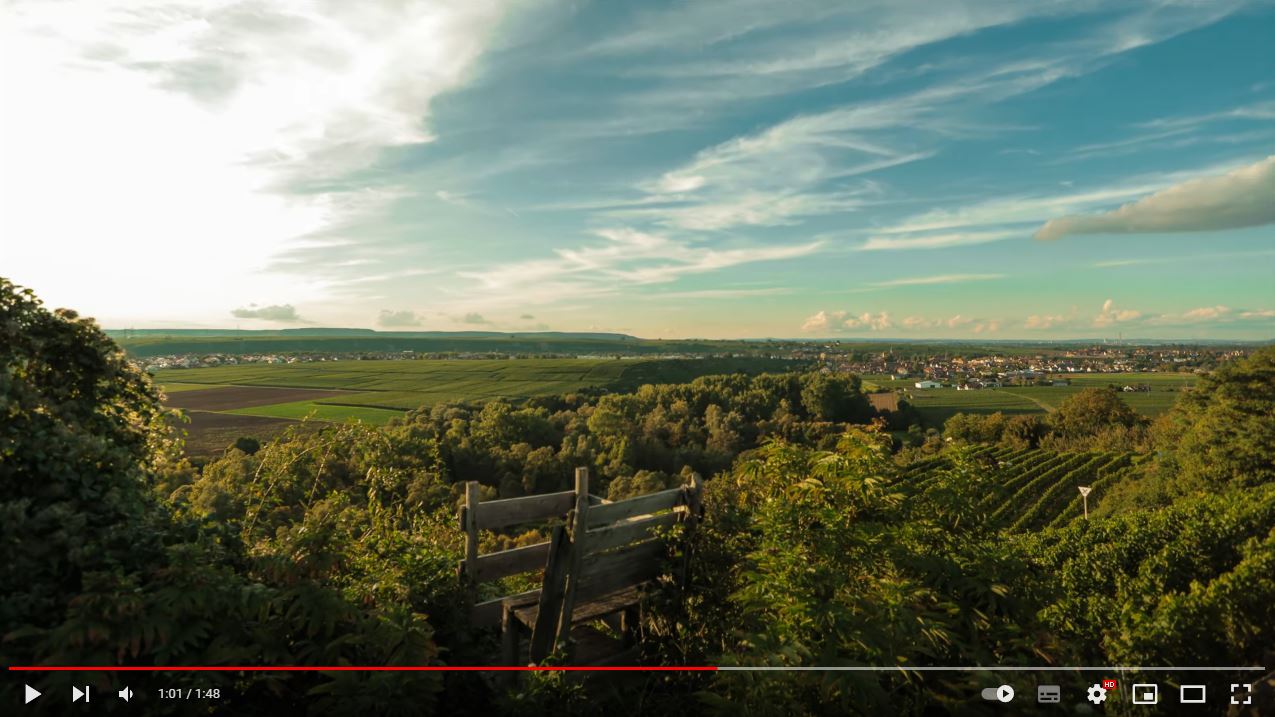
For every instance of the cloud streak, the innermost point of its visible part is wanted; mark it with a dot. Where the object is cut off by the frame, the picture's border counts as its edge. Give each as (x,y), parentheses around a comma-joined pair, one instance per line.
(940,279)
(1244,197)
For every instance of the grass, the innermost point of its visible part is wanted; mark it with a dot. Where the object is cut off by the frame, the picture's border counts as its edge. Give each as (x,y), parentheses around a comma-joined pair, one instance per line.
(174,387)
(1151,403)
(939,404)
(936,405)
(321,412)
(450,377)
(413,383)
(385,389)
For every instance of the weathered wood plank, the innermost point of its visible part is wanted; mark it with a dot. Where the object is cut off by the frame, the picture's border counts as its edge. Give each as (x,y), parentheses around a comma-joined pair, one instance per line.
(489,612)
(641,505)
(579,536)
(471,527)
(496,514)
(510,562)
(622,578)
(650,551)
(553,587)
(618,534)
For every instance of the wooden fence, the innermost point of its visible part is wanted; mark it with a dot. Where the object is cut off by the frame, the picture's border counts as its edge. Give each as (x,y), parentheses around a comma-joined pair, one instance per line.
(598,557)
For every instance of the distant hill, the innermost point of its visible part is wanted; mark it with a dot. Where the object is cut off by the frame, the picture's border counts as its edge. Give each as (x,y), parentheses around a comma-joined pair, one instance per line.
(312,331)
(159,342)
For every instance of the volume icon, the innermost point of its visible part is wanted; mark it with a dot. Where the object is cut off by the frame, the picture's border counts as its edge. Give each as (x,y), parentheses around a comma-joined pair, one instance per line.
(126,694)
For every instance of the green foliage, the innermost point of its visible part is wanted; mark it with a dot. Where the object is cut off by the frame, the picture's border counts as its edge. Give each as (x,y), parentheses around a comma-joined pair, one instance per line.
(1192,583)
(98,569)
(1222,431)
(1090,412)
(338,544)
(814,558)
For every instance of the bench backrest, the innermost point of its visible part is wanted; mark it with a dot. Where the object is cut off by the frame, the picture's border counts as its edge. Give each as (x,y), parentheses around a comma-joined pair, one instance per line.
(603,547)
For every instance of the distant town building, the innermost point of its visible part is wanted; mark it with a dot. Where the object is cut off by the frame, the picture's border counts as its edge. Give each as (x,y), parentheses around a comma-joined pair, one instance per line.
(928,384)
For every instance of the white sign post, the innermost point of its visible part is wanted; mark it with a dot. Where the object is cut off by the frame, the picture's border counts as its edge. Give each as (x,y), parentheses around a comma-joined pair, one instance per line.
(1084,495)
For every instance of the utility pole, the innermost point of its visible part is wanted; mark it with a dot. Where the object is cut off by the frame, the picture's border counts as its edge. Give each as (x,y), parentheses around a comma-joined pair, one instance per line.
(1084,496)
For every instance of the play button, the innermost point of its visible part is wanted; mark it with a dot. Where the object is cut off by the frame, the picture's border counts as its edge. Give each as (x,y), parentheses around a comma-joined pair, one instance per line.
(32,693)
(1004,693)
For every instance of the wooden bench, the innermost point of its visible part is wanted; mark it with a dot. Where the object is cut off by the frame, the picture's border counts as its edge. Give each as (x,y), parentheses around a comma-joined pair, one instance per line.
(594,567)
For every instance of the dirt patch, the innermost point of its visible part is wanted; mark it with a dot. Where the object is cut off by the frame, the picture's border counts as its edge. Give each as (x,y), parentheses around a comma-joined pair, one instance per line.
(226,398)
(208,434)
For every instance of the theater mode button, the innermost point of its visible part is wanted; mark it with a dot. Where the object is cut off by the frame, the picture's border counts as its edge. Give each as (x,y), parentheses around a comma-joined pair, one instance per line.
(1004,693)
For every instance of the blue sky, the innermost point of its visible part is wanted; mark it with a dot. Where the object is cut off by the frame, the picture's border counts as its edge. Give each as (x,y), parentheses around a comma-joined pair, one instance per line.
(710,168)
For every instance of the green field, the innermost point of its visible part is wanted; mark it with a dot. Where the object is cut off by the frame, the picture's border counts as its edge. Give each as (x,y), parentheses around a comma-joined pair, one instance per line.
(409,384)
(938,404)
(311,410)
(377,391)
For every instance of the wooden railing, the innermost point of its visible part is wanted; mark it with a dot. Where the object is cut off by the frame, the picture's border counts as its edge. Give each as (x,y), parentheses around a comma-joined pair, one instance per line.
(595,558)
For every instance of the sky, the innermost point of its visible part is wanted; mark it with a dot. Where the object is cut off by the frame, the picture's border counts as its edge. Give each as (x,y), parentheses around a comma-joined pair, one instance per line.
(717,168)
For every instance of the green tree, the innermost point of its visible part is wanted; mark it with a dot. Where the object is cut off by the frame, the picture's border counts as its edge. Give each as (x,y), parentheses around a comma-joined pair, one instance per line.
(1091,411)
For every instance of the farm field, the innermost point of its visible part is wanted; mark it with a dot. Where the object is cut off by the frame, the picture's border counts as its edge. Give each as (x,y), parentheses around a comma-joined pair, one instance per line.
(375,392)
(936,405)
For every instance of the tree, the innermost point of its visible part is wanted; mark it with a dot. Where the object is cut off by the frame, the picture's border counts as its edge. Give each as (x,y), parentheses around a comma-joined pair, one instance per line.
(1092,410)
(1222,431)
(833,397)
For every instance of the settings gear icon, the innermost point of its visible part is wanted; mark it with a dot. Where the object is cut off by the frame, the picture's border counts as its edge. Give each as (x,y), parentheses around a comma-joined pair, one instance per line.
(1097,694)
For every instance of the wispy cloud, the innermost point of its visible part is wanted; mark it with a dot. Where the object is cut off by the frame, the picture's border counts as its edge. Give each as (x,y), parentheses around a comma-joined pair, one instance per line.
(1244,197)
(1152,260)
(628,258)
(939,279)
(226,127)
(720,293)
(936,241)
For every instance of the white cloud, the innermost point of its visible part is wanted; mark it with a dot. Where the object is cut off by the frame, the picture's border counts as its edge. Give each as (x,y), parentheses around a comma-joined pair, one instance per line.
(875,322)
(629,258)
(1043,321)
(1110,315)
(920,322)
(398,318)
(720,293)
(279,312)
(935,241)
(823,321)
(1206,313)
(940,279)
(1243,197)
(989,327)
(180,125)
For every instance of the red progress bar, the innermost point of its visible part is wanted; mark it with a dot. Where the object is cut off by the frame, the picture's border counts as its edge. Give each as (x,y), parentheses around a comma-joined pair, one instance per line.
(348,668)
